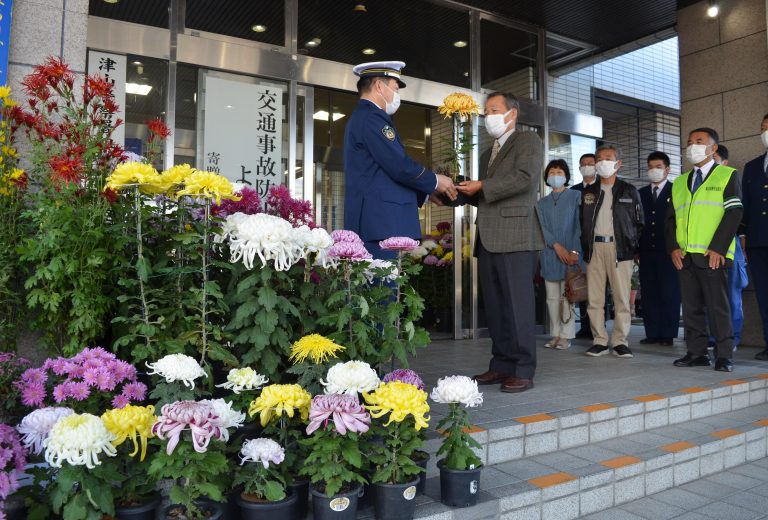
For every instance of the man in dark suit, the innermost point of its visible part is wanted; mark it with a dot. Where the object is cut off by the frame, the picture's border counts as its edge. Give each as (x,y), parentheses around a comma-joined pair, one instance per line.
(509,238)
(755,228)
(383,186)
(658,277)
(702,219)
(588,175)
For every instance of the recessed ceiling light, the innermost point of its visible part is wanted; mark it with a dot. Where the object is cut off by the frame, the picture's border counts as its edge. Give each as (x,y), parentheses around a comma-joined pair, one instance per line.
(466,74)
(712,10)
(322,115)
(369,51)
(460,43)
(228,106)
(314,42)
(138,89)
(258,28)
(360,8)
(137,63)
(111,1)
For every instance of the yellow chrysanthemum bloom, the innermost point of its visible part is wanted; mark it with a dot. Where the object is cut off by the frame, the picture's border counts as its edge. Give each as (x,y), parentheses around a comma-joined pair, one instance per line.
(209,185)
(458,103)
(315,346)
(438,251)
(131,173)
(174,176)
(448,257)
(5,91)
(399,400)
(276,400)
(9,151)
(131,421)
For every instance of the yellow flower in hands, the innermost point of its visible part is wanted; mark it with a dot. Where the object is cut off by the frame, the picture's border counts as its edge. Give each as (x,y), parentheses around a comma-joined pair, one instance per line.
(276,400)
(399,400)
(131,173)
(131,421)
(458,103)
(209,185)
(315,346)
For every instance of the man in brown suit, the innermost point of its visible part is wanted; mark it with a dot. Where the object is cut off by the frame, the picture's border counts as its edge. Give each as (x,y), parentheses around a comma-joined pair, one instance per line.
(508,240)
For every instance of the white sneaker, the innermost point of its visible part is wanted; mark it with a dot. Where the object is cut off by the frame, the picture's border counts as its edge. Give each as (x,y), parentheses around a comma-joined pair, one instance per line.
(563,344)
(552,343)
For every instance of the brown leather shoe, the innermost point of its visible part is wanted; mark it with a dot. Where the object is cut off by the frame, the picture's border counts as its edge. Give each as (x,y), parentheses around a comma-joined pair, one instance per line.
(515,385)
(490,378)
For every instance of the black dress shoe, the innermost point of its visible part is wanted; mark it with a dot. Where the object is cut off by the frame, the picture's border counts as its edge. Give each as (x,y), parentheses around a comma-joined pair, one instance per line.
(649,341)
(762,356)
(665,342)
(724,365)
(689,360)
(584,334)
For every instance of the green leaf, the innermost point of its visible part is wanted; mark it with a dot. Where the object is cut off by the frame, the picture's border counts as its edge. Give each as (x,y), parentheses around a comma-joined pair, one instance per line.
(274,491)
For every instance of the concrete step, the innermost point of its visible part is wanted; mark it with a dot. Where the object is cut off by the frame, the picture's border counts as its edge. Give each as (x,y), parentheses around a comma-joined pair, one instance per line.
(577,481)
(550,432)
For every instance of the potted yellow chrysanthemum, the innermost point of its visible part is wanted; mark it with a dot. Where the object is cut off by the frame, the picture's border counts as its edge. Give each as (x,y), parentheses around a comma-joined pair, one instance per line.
(396,474)
(310,356)
(460,108)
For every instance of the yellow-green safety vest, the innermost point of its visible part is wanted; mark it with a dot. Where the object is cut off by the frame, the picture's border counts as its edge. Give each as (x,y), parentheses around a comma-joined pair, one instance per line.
(697,216)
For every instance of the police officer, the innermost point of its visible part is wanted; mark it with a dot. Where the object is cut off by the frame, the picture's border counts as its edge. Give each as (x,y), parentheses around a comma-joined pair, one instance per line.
(383,186)
(702,220)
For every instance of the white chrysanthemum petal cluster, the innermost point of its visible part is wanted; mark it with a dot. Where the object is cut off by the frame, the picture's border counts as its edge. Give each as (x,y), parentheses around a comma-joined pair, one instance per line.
(272,239)
(352,377)
(457,389)
(373,265)
(78,440)
(177,367)
(36,426)
(240,379)
(228,418)
(262,450)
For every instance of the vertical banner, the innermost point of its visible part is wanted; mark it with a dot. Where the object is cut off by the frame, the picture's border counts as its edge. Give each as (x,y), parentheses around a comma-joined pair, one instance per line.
(243,132)
(112,67)
(5,38)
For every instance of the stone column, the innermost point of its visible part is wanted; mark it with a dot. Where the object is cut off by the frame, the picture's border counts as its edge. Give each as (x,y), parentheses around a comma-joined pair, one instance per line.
(724,85)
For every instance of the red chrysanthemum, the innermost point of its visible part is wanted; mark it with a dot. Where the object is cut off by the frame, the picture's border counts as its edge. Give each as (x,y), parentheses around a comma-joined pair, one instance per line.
(55,70)
(110,195)
(158,128)
(97,86)
(65,169)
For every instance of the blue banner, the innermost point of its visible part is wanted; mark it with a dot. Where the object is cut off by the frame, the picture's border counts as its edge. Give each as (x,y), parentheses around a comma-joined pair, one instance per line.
(5,38)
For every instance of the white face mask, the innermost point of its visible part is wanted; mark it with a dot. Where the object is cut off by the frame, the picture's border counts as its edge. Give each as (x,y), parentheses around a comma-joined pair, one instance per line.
(495,125)
(764,137)
(556,181)
(656,174)
(391,107)
(587,171)
(606,168)
(696,153)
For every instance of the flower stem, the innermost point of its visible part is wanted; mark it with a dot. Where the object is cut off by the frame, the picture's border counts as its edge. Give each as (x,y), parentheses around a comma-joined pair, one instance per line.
(140,260)
(204,306)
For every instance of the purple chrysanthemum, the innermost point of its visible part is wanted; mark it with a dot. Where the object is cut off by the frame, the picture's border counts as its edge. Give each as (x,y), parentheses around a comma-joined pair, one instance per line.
(443,227)
(344,410)
(405,375)
(120,401)
(135,391)
(249,204)
(431,260)
(349,251)
(344,235)
(33,394)
(399,244)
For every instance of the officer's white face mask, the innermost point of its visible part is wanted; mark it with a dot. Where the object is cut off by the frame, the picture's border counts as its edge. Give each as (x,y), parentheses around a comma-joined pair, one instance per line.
(495,125)
(764,137)
(587,171)
(656,174)
(696,153)
(390,107)
(606,168)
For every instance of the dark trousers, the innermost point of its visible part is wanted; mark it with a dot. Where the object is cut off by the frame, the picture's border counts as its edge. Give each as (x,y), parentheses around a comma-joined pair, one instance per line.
(757,259)
(705,294)
(660,289)
(506,280)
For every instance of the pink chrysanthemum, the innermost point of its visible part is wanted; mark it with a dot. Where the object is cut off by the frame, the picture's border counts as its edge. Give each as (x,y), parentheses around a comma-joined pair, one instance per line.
(33,394)
(199,418)
(345,411)
(349,251)
(120,401)
(399,244)
(405,375)
(344,235)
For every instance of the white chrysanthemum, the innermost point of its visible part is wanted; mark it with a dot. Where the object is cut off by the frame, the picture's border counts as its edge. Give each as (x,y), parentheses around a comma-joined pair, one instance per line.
(177,367)
(240,379)
(352,377)
(228,418)
(419,252)
(373,265)
(429,245)
(36,426)
(266,236)
(457,389)
(78,440)
(265,451)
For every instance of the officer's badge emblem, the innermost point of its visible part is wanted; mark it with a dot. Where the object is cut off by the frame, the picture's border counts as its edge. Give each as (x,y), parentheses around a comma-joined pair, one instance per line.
(589,198)
(388,132)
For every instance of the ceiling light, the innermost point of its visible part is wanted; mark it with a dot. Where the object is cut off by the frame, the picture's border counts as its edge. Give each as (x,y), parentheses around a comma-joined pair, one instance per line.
(136,88)
(460,44)
(137,63)
(466,74)
(360,8)
(369,51)
(322,115)
(712,10)
(228,106)
(314,42)
(111,1)
(258,28)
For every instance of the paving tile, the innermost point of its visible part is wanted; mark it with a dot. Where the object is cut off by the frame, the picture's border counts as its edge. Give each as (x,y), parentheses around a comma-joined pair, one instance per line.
(653,509)
(713,490)
(725,511)
(752,470)
(525,513)
(747,500)
(629,489)
(596,499)
(613,514)
(682,498)
(693,516)
(525,469)
(734,480)
(562,460)
(565,508)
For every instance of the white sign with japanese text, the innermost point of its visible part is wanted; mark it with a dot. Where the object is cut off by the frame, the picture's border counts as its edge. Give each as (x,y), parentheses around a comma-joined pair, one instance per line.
(243,130)
(112,67)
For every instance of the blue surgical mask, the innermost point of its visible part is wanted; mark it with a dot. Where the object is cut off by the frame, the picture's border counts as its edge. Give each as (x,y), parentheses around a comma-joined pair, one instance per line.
(556,181)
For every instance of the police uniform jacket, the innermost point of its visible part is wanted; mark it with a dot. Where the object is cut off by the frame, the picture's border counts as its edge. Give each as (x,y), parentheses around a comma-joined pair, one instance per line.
(755,199)
(383,186)
(652,237)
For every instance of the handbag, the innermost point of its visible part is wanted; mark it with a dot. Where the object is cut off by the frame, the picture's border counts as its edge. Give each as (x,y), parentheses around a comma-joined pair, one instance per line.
(575,284)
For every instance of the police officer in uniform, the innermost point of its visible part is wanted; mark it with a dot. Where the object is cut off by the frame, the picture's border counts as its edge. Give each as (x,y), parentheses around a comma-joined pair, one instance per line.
(384,188)
(702,220)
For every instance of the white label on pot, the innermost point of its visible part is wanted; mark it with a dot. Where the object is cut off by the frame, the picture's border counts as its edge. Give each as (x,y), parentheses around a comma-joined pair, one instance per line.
(409,493)
(339,504)
(473,487)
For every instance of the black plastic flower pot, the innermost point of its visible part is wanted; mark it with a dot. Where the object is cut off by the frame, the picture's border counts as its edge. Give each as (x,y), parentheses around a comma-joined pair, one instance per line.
(144,511)
(14,508)
(300,489)
(282,510)
(422,459)
(395,501)
(211,510)
(365,497)
(342,506)
(459,488)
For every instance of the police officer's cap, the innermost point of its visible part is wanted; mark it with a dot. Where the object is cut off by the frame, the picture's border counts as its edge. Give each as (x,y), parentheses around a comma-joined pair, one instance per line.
(373,69)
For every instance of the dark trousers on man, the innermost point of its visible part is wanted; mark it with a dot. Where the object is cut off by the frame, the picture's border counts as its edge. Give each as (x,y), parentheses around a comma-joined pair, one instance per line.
(705,295)
(757,258)
(506,280)
(660,289)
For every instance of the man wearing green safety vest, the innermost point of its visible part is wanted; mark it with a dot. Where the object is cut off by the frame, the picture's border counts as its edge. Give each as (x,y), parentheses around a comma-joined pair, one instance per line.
(702,220)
